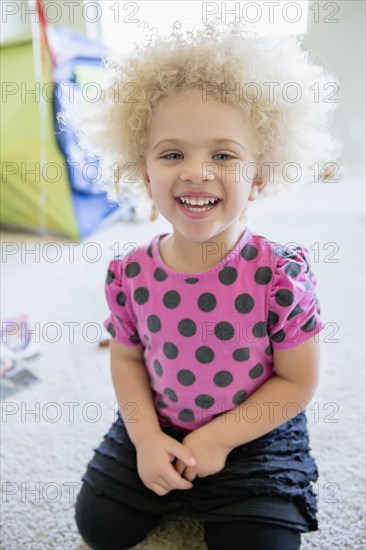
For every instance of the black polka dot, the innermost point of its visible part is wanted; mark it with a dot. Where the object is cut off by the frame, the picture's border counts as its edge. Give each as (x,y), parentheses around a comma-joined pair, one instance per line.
(186,377)
(121,298)
(309,325)
(293,269)
(224,330)
(161,404)
(204,401)
(284,297)
(259,329)
(244,303)
(111,330)
(279,336)
(135,338)
(171,299)
(249,252)
(170,350)
(187,327)
(240,397)
(191,280)
(160,274)
(158,368)
(228,275)
(284,252)
(263,275)
(272,318)
(207,302)
(204,354)
(171,394)
(132,269)
(141,295)
(153,323)
(268,350)
(256,371)
(186,415)
(149,251)
(223,378)
(110,277)
(297,309)
(241,354)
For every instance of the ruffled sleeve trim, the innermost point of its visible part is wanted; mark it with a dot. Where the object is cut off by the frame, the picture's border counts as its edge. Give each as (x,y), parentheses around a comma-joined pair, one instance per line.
(294,309)
(120,323)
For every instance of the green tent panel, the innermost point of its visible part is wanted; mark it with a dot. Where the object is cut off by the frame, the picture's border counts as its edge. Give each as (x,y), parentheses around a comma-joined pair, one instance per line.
(31,201)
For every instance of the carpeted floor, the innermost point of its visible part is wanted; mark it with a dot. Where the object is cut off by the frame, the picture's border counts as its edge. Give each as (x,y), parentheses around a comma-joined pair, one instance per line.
(50,429)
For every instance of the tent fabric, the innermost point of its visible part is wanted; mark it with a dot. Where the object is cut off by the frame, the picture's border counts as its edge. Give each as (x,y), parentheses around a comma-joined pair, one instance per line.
(40,191)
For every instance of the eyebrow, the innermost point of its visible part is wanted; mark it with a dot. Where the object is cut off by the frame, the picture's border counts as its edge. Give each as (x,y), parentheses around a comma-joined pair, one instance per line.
(215,141)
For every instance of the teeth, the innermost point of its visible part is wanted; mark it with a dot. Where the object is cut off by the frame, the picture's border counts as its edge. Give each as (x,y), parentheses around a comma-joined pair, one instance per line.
(198,202)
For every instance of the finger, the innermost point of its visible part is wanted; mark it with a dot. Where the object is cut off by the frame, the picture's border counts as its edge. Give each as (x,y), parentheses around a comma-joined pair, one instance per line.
(159,489)
(175,481)
(183,453)
(179,466)
(189,474)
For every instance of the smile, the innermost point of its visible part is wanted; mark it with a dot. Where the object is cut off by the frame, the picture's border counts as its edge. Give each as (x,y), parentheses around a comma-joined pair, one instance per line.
(199,205)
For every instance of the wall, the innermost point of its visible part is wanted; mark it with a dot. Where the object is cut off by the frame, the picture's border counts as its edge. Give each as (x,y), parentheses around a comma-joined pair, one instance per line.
(17,16)
(341,47)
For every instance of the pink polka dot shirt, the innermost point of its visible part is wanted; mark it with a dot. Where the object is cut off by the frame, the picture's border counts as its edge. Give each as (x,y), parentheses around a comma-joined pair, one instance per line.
(208,337)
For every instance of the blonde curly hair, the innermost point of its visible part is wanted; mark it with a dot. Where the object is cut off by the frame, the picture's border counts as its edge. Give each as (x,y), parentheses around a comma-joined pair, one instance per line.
(282,93)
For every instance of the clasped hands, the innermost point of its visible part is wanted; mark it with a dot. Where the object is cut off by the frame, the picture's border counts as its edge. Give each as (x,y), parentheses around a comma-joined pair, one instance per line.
(164,464)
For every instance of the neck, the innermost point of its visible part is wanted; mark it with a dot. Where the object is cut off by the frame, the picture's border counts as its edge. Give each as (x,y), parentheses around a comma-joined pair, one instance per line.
(188,256)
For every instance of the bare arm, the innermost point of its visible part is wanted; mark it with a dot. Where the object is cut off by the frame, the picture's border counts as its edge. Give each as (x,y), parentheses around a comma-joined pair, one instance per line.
(131,384)
(155,450)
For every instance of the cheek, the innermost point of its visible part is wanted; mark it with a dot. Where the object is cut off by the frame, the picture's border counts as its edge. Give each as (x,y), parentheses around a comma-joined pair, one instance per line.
(249,172)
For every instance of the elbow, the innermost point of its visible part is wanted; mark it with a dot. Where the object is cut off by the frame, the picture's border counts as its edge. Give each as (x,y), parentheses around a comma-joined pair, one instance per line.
(304,394)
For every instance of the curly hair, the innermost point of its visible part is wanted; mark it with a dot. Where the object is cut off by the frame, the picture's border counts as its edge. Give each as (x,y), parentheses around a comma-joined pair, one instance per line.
(282,93)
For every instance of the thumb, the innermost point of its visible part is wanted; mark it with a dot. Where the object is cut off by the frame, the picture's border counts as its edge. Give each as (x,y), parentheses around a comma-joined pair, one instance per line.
(184,454)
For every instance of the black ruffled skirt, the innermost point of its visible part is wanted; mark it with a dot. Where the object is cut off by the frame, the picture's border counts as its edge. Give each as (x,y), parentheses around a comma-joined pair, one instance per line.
(268,479)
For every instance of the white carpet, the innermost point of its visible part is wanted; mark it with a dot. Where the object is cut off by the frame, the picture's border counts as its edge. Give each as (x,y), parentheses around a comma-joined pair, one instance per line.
(44,452)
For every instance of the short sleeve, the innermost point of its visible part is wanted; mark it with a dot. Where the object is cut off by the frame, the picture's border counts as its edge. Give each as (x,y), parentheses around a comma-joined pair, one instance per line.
(294,309)
(120,324)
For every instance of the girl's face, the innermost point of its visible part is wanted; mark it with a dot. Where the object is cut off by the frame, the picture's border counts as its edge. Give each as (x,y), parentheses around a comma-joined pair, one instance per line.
(200,167)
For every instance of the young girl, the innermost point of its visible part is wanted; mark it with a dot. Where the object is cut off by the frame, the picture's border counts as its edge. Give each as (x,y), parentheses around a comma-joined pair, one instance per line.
(213,356)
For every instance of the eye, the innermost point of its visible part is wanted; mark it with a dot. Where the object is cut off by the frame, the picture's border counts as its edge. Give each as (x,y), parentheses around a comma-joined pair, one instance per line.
(224,156)
(172,156)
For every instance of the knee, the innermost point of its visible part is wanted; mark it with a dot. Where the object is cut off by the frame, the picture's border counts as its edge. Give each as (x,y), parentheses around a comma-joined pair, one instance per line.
(102,523)
(256,536)
(91,520)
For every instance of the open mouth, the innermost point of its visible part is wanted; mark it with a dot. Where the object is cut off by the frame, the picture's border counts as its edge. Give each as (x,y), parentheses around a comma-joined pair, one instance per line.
(198,204)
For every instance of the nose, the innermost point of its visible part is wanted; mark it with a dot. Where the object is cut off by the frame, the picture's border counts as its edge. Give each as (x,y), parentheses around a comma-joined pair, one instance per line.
(197,172)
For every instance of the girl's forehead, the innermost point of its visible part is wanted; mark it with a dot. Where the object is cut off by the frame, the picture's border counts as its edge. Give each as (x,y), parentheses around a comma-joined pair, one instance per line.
(184,116)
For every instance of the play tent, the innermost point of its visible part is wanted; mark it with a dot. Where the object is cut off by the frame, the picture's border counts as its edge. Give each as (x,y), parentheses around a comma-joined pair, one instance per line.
(48,186)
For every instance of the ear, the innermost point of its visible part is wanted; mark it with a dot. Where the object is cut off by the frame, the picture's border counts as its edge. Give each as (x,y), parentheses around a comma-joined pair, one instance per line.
(259,183)
(146,179)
